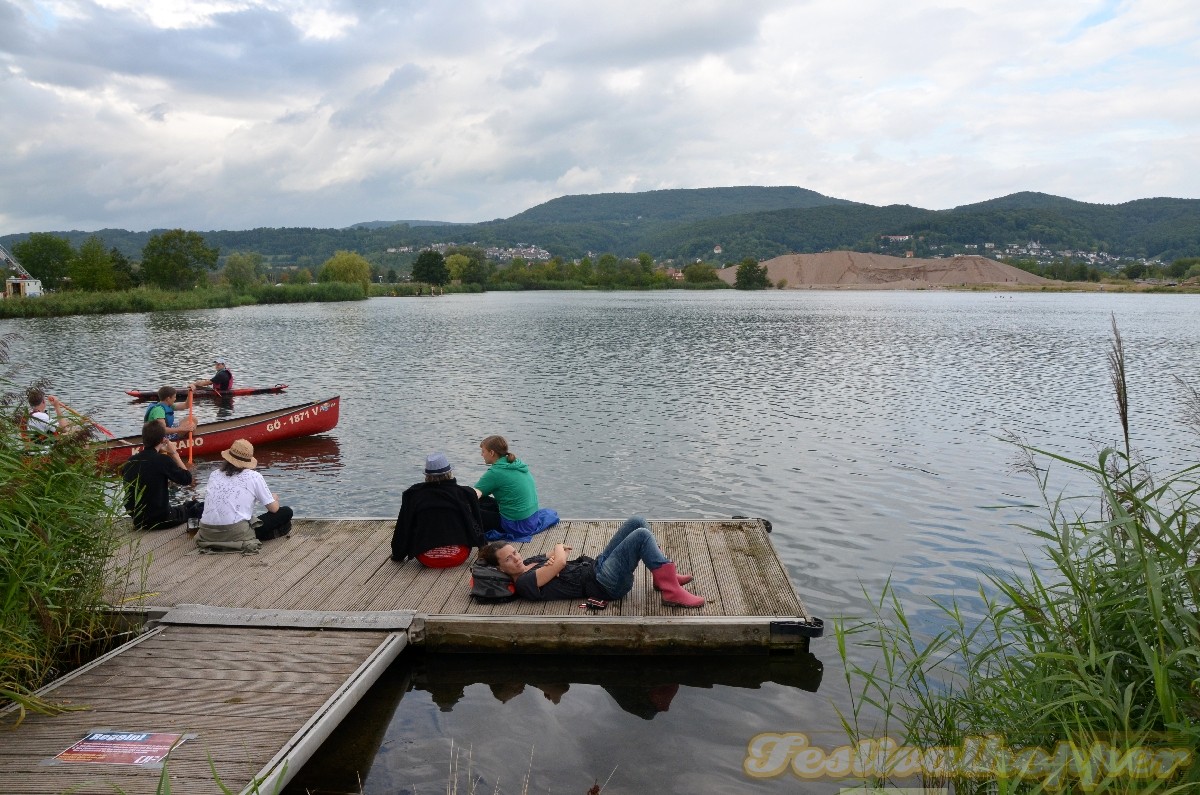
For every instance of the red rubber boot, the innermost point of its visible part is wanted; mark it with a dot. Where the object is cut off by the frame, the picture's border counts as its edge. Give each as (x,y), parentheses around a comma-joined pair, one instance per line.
(682,579)
(666,580)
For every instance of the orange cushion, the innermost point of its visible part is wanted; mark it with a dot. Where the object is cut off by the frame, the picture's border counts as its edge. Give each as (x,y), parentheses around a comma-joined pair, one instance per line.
(444,557)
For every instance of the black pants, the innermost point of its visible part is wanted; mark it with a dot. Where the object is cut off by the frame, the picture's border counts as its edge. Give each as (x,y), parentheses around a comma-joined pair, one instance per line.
(175,516)
(489,513)
(273,525)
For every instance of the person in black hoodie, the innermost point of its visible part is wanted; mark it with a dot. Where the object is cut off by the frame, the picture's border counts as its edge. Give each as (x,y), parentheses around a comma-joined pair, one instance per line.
(439,520)
(147,475)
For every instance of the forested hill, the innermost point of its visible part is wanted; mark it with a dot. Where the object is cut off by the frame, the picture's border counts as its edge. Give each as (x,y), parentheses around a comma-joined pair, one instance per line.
(745,222)
(672,205)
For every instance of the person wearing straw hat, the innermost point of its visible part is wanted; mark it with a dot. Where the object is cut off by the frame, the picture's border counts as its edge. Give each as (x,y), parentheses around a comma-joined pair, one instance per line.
(439,520)
(229,500)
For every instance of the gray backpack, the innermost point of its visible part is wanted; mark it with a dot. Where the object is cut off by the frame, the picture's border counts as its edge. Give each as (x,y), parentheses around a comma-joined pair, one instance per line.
(489,584)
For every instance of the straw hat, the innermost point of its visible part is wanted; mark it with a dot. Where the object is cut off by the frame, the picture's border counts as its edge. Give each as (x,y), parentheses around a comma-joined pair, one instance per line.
(241,455)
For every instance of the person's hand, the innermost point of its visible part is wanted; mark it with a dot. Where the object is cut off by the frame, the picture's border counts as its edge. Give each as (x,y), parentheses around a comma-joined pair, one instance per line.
(53,401)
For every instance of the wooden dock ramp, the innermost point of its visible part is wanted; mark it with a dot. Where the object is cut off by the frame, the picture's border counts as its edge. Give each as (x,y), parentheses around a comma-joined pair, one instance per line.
(345,565)
(254,691)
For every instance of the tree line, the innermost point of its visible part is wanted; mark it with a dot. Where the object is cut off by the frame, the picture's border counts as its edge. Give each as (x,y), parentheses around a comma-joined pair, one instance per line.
(182,260)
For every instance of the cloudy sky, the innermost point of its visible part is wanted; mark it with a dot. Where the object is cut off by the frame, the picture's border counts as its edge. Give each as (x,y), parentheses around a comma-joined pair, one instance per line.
(233,114)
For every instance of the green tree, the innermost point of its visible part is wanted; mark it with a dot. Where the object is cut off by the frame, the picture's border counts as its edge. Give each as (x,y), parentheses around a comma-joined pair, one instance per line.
(1180,267)
(430,268)
(478,272)
(1135,270)
(302,276)
(457,265)
(124,274)
(699,273)
(92,268)
(346,266)
(243,270)
(47,257)
(751,275)
(177,260)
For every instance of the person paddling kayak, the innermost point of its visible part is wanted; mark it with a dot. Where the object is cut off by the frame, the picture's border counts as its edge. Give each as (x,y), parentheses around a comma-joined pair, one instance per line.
(222,381)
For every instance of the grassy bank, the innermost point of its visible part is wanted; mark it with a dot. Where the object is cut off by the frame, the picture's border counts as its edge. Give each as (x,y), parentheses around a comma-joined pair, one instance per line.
(417,289)
(56,540)
(1084,677)
(145,299)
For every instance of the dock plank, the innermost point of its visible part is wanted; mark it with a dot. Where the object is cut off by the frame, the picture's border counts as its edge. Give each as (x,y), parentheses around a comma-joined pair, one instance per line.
(244,693)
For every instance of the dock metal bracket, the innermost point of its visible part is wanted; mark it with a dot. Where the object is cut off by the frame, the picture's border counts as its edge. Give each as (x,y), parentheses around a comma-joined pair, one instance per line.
(805,628)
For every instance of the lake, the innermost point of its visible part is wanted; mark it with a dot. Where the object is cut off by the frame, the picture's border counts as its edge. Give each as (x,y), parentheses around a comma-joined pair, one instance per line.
(864,425)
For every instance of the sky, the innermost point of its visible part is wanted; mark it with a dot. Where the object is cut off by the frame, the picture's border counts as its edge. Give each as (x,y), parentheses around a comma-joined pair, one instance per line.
(236,114)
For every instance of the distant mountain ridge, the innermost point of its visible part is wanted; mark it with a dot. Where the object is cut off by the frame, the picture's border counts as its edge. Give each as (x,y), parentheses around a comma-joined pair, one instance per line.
(744,221)
(672,205)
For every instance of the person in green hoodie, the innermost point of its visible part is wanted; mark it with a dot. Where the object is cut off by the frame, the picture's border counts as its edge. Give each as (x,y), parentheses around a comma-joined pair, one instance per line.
(517,516)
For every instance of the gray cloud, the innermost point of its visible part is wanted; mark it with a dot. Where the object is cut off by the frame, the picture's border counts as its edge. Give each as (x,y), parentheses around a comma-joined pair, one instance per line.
(326,113)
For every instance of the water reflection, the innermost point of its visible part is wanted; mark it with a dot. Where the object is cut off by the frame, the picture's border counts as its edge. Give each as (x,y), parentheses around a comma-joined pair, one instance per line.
(640,686)
(381,747)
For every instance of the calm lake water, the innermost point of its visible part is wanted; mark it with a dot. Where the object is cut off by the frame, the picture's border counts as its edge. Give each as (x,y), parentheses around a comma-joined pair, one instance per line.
(864,425)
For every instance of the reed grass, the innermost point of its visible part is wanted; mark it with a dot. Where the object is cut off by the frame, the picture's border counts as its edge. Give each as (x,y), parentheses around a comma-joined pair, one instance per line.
(56,539)
(146,299)
(1094,659)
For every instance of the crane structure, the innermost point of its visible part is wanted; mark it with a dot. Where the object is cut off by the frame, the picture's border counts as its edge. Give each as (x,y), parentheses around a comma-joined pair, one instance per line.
(9,261)
(23,284)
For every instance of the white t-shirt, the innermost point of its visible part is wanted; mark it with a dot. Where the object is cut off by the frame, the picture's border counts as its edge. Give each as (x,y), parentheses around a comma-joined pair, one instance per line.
(40,422)
(231,499)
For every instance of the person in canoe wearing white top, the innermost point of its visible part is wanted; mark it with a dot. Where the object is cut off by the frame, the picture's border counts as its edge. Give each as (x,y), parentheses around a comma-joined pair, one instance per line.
(228,520)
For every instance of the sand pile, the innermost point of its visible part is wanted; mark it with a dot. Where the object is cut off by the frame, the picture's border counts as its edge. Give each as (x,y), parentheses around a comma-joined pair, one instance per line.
(857,270)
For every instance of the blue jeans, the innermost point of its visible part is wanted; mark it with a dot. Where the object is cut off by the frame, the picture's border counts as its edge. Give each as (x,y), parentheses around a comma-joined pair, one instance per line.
(616,564)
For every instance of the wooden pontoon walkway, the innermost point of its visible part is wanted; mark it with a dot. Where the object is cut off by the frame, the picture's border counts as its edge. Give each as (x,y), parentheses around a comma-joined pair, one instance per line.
(257,657)
(345,565)
(254,699)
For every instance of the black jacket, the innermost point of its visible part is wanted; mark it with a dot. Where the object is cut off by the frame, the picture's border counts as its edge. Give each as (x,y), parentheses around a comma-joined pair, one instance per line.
(146,477)
(436,515)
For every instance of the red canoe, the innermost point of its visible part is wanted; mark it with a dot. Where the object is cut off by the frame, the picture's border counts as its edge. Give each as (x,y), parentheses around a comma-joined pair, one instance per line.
(206,392)
(212,437)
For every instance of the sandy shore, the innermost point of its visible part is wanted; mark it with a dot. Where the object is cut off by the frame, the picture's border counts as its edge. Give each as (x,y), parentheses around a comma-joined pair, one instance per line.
(856,270)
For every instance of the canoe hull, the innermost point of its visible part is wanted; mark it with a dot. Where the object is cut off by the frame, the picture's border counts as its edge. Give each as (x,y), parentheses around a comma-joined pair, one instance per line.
(211,438)
(207,392)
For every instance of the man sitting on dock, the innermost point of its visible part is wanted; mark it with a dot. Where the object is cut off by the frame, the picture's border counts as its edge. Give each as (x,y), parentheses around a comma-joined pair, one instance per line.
(146,476)
(439,520)
(163,411)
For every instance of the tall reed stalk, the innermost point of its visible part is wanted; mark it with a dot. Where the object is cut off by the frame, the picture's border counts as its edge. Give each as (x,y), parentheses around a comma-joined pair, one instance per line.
(56,542)
(1094,660)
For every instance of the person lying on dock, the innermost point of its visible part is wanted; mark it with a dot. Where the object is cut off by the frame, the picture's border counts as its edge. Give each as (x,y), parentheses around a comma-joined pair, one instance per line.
(608,576)
(439,520)
(147,474)
(508,497)
(221,381)
(163,411)
(226,524)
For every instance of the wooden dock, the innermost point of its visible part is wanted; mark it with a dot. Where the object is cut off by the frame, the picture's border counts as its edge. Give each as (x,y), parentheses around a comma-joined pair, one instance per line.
(345,565)
(254,659)
(255,695)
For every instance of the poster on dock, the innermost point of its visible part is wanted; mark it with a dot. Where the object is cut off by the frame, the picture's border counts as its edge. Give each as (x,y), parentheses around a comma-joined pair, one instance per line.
(144,749)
